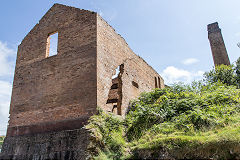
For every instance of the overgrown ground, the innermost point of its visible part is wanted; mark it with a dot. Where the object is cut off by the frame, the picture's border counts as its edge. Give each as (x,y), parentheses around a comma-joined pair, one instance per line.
(198,121)
(1,141)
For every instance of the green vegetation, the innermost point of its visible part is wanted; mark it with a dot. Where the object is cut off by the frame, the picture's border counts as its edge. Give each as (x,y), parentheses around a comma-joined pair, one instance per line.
(197,121)
(229,75)
(1,141)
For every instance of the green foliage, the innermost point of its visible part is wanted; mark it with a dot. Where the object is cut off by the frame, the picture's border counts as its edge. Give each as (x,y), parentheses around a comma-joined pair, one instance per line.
(185,108)
(107,136)
(218,144)
(222,73)
(197,121)
(237,69)
(1,141)
(229,75)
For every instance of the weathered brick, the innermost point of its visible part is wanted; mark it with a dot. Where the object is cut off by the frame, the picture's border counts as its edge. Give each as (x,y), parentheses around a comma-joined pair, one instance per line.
(59,93)
(219,51)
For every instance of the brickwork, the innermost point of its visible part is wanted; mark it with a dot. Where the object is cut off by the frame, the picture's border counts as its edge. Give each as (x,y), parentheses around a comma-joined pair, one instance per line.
(112,51)
(219,51)
(63,145)
(59,93)
(56,88)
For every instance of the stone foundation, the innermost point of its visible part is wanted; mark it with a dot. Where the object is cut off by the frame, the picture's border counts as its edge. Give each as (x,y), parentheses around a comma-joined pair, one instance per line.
(66,145)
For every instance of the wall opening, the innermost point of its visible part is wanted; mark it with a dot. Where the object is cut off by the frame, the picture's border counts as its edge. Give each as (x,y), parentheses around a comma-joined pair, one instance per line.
(156,84)
(52,44)
(115,92)
(117,70)
(159,83)
(135,84)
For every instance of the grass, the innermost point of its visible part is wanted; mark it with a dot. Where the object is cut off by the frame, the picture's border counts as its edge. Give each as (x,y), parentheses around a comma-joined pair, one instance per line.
(183,122)
(221,143)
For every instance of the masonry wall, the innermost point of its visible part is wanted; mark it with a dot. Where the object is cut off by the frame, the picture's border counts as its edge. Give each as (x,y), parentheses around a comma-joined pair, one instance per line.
(63,145)
(113,51)
(53,97)
(58,92)
(219,51)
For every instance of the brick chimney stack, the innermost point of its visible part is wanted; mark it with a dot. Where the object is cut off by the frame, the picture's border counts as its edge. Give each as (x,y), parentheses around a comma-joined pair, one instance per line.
(219,51)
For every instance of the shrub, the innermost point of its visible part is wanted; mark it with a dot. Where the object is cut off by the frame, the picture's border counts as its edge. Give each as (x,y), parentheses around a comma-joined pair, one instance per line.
(237,70)
(222,73)
(185,107)
(107,136)
(197,121)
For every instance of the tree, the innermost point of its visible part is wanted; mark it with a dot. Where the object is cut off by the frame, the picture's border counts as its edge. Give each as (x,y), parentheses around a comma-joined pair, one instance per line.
(223,73)
(237,70)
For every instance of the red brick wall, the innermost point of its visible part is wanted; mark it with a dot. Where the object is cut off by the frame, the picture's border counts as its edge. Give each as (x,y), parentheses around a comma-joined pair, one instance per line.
(113,51)
(219,51)
(61,87)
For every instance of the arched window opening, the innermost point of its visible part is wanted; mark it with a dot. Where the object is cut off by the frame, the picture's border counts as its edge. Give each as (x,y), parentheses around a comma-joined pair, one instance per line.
(52,44)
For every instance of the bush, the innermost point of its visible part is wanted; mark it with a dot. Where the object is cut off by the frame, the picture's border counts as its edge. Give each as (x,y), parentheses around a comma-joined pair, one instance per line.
(182,121)
(1,141)
(237,70)
(107,136)
(222,73)
(197,121)
(186,108)
(229,75)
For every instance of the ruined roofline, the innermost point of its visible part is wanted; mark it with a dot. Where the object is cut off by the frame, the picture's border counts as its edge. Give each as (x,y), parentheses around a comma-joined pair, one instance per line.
(97,15)
(58,4)
(128,45)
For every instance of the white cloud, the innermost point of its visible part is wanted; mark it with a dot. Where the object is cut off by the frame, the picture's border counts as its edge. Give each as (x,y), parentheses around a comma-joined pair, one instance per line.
(237,20)
(237,34)
(190,61)
(5,96)
(7,62)
(172,75)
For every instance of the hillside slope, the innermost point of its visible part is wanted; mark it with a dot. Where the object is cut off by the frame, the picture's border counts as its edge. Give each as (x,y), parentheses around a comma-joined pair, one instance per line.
(195,121)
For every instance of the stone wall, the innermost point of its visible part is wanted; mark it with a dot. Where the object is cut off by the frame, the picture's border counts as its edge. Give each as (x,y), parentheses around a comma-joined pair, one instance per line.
(65,145)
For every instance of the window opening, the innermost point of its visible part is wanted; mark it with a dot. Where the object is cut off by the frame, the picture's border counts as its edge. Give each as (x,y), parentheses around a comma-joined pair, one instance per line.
(159,83)
(156,85)
(115,92)
(117,70)
(135,84)
(52,44)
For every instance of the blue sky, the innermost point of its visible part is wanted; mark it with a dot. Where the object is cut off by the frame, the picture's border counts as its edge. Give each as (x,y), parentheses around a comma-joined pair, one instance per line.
(171,35)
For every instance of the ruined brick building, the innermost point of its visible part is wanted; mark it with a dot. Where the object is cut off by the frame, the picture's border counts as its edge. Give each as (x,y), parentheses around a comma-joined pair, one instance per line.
(53,96)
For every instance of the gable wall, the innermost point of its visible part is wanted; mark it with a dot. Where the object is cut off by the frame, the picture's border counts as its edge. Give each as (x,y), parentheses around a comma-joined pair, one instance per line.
(51,93)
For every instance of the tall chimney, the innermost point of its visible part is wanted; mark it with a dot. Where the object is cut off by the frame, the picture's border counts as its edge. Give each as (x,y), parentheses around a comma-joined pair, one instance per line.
(219,51)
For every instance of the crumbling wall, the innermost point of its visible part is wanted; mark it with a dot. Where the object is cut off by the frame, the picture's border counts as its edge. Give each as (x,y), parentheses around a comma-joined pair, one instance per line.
(53,97)
(58,92)
(65,145)
(113,51)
